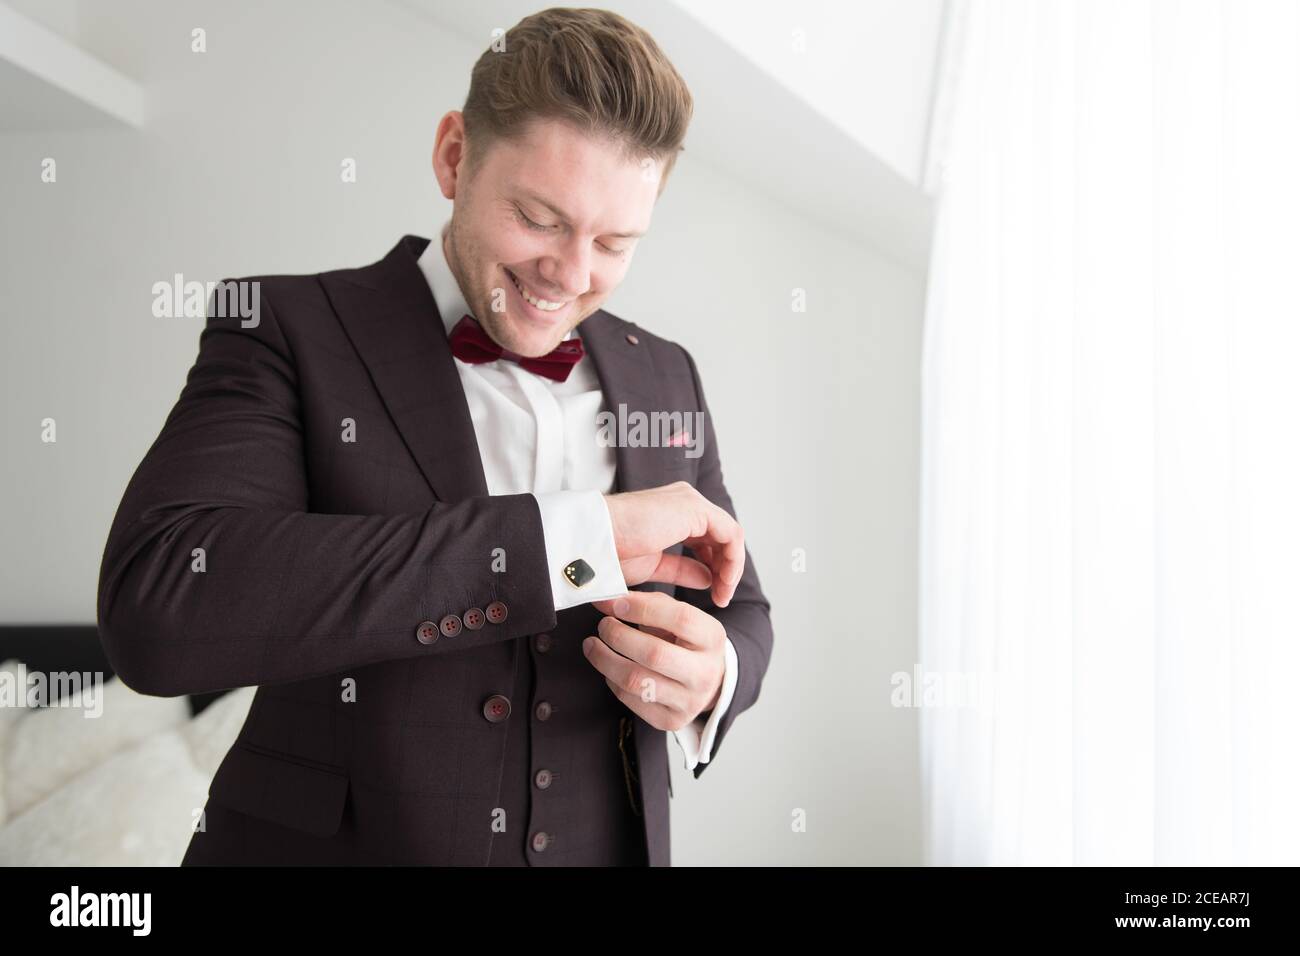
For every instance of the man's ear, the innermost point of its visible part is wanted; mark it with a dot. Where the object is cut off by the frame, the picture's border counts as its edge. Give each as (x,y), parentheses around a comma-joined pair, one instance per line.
(449,149)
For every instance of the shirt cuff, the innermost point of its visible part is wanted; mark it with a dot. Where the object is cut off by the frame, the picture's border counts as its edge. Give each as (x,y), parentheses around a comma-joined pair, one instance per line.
(696,738)
(576,524)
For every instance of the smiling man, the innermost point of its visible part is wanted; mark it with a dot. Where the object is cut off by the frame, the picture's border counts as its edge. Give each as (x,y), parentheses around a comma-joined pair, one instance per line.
(384,505)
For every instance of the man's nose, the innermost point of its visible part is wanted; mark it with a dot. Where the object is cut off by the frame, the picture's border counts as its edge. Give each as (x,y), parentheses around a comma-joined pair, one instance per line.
(569,271)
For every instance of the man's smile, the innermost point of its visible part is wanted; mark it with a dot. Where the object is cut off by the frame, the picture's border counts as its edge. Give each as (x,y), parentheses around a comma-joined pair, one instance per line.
(537,307)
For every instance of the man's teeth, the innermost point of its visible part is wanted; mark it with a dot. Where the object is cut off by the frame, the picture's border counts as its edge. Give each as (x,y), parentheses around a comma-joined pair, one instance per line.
(542,304)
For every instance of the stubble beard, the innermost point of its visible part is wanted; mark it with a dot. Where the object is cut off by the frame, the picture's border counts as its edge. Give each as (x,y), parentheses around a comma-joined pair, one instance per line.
(495,324)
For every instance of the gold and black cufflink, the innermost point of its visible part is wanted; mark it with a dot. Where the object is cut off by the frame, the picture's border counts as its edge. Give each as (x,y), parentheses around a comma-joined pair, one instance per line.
(578,573)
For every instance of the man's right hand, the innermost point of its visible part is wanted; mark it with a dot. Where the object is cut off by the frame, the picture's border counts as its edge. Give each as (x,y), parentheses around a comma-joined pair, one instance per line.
(648,522)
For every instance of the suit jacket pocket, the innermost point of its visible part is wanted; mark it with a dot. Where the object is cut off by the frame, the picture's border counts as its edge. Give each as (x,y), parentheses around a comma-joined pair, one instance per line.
(280,790)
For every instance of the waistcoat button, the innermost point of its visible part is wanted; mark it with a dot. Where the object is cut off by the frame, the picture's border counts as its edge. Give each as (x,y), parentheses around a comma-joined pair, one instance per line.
(496,708)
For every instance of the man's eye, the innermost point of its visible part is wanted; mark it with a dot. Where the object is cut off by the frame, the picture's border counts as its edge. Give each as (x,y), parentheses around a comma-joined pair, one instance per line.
(538,227)
(535,226)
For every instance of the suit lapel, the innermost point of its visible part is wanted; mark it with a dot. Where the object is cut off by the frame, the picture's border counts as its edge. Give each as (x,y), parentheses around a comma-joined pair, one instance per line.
(627,378)
(388,313)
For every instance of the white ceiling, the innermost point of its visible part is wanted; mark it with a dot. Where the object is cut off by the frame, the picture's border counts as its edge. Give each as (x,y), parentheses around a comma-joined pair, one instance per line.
(47,81)
(868,66)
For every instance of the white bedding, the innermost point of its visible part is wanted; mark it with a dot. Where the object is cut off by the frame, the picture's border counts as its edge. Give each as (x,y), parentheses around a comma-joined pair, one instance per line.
(122,789)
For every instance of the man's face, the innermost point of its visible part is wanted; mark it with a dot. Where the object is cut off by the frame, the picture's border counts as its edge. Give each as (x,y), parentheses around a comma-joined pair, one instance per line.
(555,212)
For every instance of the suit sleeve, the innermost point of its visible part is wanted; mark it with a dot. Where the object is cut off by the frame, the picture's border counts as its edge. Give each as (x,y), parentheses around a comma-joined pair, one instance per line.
(216,575)
(747,619)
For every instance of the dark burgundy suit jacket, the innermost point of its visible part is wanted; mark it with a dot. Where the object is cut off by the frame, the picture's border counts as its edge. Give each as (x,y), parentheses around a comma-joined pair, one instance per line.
(321,560)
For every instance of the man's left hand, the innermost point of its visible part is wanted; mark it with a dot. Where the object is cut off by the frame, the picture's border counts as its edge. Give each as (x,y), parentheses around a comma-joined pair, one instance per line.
(669,670)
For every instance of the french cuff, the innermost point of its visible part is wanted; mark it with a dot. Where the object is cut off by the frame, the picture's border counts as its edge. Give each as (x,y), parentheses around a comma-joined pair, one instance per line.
(579,537)
(696,738)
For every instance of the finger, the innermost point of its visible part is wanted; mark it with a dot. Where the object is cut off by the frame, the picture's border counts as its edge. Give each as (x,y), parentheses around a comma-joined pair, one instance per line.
(704,553)
(720,565)
(649,650)
(725,540)
(682,571)
(729,569)
(659,632)
(656,715)
(632,678)
(688,623)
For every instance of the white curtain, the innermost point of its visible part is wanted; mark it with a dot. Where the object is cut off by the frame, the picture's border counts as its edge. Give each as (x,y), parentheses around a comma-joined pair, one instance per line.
(1111,453)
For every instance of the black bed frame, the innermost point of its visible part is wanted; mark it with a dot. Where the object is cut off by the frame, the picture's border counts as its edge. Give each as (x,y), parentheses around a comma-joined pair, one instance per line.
(69,648)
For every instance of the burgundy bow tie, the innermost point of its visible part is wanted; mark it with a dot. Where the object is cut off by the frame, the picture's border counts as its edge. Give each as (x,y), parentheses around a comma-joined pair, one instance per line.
(470,343)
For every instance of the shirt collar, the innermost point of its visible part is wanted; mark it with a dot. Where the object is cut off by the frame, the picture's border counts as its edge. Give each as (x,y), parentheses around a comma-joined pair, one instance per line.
(442,283)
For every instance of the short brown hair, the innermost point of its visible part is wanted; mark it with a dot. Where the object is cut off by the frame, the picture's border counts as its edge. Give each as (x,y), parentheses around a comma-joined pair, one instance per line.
(590,67)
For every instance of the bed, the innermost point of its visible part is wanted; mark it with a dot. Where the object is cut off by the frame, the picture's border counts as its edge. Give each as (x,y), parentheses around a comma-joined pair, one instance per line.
(101,775)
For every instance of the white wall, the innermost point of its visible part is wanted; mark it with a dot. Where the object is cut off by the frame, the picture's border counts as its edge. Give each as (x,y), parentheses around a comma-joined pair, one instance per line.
(238,173)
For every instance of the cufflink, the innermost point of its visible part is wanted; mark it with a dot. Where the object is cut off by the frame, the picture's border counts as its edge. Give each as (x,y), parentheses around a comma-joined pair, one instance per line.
(578,572)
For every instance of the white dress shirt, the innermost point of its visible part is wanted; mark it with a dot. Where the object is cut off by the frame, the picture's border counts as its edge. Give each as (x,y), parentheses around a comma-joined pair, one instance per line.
(538,435)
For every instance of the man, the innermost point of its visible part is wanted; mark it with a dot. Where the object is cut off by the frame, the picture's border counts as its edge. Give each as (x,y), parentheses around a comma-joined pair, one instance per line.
(386,503)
